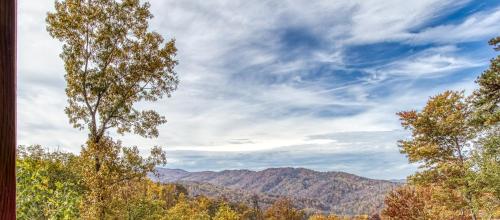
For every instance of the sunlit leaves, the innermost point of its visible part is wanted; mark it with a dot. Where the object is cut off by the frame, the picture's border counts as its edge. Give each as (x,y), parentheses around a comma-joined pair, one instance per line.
(112,61)
(454,139)
(48,185)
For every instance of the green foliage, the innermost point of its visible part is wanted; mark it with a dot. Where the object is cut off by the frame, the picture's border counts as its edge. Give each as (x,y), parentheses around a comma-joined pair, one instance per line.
(53,185)
(486,157)
(485,181)
(486,99)
(48,186)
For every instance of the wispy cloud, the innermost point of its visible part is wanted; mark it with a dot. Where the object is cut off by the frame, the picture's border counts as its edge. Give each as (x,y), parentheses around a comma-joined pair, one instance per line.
(433,62)
(263,83)
(475,27)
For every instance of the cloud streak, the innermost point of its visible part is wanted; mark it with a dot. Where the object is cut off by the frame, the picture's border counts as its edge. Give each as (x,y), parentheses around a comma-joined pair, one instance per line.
(288,83)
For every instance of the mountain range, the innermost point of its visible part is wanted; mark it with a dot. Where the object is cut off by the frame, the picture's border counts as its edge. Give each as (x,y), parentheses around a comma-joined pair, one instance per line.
(313,191)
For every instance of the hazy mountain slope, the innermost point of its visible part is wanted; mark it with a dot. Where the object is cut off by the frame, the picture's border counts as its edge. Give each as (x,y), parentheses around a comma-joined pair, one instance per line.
(338,192)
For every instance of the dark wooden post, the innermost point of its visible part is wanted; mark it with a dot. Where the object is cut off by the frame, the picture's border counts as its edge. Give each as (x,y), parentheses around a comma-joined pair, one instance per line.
(8,109)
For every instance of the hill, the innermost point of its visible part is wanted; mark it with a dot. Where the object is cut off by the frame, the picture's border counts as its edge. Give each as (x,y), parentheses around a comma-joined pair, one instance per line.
(314,191)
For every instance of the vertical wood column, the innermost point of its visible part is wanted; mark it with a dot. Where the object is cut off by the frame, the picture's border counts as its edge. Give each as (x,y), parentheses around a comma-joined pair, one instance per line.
(8,109)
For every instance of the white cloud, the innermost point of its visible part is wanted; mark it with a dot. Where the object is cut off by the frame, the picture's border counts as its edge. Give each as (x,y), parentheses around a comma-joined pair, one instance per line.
(433,62)
(240,79)
(392,20)
(477,26)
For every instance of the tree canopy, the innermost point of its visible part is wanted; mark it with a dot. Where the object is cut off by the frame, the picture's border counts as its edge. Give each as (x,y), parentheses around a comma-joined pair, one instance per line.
(455,140)
(112,62)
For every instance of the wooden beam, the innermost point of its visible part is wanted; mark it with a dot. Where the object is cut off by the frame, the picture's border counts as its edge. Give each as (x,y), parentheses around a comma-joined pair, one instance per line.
(8,109)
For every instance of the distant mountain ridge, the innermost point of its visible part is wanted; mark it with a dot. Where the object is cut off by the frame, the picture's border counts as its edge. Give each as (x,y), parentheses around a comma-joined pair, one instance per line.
(314,191)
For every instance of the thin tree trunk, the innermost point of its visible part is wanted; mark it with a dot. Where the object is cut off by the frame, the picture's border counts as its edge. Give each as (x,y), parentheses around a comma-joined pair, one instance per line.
(100,183)
(8,109)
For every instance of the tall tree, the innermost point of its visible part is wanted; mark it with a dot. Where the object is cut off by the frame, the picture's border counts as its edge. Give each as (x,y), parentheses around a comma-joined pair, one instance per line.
(112,62)
(486,98)
(486,156)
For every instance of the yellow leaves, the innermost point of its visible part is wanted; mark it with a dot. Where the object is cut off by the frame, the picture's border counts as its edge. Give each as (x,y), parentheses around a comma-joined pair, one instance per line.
(112,62)
(186,210)
(116,178)
(226,213)
(407,118)
(439,131)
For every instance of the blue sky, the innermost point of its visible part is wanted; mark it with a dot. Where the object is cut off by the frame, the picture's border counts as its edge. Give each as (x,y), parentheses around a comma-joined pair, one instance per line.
(312,84)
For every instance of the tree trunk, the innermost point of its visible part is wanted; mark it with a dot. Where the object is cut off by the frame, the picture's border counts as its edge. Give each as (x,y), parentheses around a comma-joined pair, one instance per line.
(8,109)
(100,188)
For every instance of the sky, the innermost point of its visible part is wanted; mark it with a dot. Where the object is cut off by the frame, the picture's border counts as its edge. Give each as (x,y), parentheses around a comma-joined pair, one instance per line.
(312,84)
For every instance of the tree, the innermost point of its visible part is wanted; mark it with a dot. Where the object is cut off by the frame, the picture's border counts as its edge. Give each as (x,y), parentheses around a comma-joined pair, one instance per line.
(455,141)
(486,98)
(255,212)
(144,199)
(48,186)
(408,203)
(112,62)
(441,144)
(120,169)
(485,181)
(486,156)
(187,210)
(283,209)
(226,213)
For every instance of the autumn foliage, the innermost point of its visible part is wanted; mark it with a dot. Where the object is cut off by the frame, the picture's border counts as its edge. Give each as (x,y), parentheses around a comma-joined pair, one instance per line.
(112,62)
(455,141)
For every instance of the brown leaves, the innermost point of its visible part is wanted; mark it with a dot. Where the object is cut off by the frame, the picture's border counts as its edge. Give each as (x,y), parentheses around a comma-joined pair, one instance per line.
(283,209)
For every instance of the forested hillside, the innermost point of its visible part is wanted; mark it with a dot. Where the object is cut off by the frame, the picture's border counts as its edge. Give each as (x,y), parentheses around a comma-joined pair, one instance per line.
(325,192)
